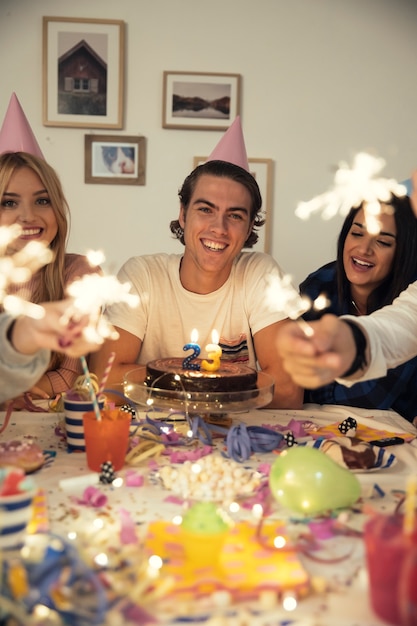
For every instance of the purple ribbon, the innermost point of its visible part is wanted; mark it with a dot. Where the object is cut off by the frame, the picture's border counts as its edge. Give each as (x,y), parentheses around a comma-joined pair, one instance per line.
(242,440)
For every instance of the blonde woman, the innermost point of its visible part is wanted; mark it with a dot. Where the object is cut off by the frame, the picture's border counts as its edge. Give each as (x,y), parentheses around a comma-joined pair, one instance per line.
(32,197)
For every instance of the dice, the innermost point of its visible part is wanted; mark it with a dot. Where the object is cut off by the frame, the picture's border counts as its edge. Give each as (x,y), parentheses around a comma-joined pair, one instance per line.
(348,424)
(107,474)
(290,439)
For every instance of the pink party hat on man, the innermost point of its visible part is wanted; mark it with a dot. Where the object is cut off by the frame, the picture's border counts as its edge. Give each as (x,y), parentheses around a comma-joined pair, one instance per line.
(231,147)
(16,134)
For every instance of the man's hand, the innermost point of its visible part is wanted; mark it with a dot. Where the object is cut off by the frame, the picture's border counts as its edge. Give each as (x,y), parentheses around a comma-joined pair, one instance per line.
(317,360)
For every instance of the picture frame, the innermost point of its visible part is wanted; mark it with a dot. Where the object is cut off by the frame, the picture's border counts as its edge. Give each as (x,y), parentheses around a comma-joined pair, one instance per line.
(200,100)
(262,171)
(115,160)
(83,72)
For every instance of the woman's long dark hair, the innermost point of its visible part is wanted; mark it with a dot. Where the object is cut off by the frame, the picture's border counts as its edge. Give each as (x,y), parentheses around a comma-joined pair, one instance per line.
(404,265)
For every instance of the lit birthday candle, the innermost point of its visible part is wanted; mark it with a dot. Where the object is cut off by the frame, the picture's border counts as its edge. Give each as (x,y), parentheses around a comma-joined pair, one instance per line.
(214,352)
(187,363)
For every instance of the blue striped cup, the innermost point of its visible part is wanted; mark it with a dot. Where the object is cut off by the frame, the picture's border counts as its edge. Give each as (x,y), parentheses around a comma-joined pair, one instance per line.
(73,414)
(15,514)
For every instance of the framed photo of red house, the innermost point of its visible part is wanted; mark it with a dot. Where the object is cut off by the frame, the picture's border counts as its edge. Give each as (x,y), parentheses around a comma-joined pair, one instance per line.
(83,72)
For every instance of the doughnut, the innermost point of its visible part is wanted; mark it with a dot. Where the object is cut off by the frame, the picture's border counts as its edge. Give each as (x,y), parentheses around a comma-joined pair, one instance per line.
(24,454)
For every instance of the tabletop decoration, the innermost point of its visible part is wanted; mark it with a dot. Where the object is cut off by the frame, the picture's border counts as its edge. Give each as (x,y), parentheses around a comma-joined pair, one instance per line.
(364,432)
(212,478)
(187,363)
(355,454)
(242,441)
(55,585)
(204,528)
(107,473)
(92,497)
(214,354)
(93,396)
(410,505)
(134,479)
(242,568)
(106,373)
(308,482)
(348,426)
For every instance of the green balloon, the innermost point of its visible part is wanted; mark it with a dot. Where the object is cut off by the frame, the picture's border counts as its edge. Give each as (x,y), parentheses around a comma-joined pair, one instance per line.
(305,480)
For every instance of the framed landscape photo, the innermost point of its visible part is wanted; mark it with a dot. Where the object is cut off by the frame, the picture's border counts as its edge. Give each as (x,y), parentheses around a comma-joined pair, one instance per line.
(200,101)
(115,160)
(262,171)
(83,72)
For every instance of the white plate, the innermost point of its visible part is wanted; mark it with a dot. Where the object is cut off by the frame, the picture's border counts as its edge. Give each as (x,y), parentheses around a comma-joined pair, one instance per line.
(384,458)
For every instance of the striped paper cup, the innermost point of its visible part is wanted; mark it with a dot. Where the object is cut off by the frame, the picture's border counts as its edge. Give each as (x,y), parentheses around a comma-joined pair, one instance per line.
(15,514)
(73,414)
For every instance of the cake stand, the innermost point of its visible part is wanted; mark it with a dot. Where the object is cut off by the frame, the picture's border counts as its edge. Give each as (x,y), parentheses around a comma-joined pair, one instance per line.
(194,403)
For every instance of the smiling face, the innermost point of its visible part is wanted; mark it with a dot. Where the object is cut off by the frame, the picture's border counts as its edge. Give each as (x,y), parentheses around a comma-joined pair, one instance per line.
(27,203)
(216,225)
(367,258)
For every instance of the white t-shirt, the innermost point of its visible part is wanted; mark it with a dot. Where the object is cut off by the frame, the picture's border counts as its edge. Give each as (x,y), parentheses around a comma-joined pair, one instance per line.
(168,313)
(18,372)
(391,333)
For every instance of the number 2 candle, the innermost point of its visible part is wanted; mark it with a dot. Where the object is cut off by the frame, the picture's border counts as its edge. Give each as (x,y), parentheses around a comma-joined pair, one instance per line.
(187,363)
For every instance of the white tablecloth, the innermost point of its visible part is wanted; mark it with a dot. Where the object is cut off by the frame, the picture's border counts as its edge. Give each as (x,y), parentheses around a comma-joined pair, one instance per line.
(345,605)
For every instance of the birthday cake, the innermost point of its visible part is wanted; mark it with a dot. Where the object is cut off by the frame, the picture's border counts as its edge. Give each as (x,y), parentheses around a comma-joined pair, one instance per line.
(168,374)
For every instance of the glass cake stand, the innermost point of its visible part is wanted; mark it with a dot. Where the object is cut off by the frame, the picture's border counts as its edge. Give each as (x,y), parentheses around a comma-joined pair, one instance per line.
(197,402)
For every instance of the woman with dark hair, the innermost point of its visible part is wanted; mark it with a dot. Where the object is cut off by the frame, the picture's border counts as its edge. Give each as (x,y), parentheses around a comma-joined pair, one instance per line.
(371,270)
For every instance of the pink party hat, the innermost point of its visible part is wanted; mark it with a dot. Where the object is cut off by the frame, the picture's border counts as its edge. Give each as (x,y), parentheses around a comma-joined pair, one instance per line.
(231,147)
(16,134)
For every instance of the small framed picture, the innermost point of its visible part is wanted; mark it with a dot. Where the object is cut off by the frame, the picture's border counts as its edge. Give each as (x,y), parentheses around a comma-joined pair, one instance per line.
(112,160)
(200,101)
(262,171)
(83,72)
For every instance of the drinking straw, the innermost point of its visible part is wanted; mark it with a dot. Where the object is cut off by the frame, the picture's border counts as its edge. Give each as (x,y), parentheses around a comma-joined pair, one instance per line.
(106,373)
(93,396)
(409,505)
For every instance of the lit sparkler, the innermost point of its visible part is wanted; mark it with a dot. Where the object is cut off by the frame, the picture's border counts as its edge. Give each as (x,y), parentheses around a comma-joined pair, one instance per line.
(352,187)
(282,296)
(90,294)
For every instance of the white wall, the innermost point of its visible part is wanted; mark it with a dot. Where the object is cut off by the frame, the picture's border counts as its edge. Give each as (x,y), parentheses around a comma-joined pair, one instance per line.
(322,80)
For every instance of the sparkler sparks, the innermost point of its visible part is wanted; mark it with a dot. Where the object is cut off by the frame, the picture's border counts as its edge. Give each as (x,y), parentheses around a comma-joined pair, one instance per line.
(90,294)
(352,187)
(17,268)
(94,291)
(282,296)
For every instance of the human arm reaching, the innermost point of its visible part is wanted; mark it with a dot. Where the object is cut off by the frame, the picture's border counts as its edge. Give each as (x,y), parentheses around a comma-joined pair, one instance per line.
(287,393)
(26,344)
(322,357)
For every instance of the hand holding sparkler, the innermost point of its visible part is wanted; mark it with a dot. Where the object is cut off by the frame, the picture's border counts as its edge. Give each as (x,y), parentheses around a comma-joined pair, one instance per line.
(314,361)
(50,330)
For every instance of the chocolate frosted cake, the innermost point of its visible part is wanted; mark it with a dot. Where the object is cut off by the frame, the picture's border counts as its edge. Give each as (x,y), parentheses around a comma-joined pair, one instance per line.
(169,374)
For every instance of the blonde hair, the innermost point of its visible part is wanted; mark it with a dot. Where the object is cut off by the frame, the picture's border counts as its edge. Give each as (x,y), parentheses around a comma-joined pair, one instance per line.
(49,285)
